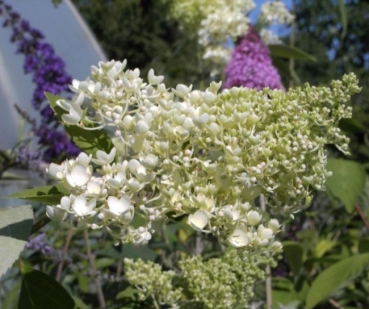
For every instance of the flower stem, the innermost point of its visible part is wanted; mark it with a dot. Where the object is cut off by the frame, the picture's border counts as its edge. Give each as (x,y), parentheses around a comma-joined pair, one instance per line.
(91,258)
(65,249)
(268,275)
(362,216)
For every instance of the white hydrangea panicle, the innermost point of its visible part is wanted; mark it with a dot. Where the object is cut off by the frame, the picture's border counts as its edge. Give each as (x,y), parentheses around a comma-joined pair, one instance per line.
(200,154)
(275,12)
(269,37)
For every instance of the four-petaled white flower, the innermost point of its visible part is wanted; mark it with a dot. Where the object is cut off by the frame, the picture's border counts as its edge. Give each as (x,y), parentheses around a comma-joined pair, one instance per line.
(103,158)
(253,217)
(264,233)
(118,180)
(55,214)
(82,207)
(274,225)
(198,220)
(73,108)
(57,171)
(136,168)
(120,209)
(78,176)
(240,237)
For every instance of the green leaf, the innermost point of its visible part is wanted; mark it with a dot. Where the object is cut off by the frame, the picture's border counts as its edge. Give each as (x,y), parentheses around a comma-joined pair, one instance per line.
(11,299)
(363,246)
(291,305)
(347,182)
(15,228)
(280,298)
(293,251)
(343,13)
(129,292)
(87,140)
(282,67)
(284,51)
(335,277)
(131,252)
(323,246)
(47,194)
(83,282)
(40,291)
(350,125)
(80,304)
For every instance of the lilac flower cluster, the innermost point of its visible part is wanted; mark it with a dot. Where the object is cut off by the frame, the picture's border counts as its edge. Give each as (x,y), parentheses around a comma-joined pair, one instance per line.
(48,72)
(251,65)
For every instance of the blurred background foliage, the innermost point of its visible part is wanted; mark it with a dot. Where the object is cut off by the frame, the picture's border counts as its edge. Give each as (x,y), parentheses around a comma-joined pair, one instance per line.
(140,31)
(320,31)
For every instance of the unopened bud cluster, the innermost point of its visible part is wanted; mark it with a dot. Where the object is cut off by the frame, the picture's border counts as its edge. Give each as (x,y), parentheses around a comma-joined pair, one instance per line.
(152,282)
(201,154)
(216,283)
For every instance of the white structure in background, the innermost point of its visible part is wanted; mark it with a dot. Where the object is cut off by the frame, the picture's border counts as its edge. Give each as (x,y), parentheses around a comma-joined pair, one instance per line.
(64,28)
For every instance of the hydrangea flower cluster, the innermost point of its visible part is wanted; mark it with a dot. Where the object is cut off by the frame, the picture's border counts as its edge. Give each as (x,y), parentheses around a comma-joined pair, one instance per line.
(217,22)
(251,65)
(235,278)
(48,71)
(201,154)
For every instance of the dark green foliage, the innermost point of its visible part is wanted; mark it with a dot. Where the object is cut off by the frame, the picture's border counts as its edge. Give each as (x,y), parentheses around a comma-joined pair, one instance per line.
(40,291)
(139,31)
(320,32)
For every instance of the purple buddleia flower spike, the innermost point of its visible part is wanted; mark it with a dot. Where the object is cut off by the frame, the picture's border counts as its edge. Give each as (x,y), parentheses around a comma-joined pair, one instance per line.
(29,159)
(38,244)
(48,74)
(251,65)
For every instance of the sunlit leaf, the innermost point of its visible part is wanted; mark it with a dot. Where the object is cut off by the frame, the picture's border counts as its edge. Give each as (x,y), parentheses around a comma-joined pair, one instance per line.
(129,292)
(335,277)
(46,194)
(347,182)
(323,246)
(285,51)
(15,228)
